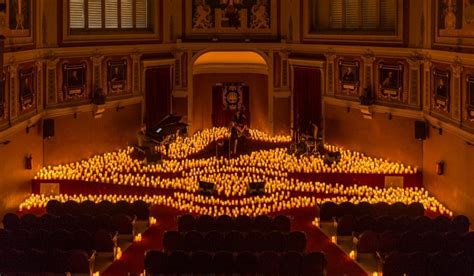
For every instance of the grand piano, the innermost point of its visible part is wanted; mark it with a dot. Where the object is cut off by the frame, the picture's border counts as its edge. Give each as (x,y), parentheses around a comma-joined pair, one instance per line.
(168,128)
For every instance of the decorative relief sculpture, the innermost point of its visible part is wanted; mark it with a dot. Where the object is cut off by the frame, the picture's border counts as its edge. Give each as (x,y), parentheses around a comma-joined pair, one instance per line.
(231,16)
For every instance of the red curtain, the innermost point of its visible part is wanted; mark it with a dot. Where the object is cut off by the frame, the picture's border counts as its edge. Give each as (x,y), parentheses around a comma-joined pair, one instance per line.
(306,98)
(221,117)
(158,95)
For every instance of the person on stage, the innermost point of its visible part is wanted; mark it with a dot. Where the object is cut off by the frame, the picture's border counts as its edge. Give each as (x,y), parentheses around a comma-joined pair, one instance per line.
(239,127)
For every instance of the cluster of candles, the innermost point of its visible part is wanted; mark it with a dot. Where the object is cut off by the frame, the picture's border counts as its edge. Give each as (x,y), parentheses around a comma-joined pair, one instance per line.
(184,147)
(257,205)
(120,168)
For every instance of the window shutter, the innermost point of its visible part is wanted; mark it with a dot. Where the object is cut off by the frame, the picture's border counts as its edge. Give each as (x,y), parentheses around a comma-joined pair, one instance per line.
(126,14)
(388,14)
(336,14)
(111,14)
(141,14)
(94,14)
(369,14)
(352,14)
(76,14)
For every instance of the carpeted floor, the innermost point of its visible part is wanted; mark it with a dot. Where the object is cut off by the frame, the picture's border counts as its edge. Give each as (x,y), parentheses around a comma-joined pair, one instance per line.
(339,263)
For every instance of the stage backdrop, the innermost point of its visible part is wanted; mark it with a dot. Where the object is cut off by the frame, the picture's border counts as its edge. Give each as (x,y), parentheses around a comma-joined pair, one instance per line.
(226,99)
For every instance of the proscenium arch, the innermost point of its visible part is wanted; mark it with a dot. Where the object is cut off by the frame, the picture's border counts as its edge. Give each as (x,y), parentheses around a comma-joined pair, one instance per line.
(262,65)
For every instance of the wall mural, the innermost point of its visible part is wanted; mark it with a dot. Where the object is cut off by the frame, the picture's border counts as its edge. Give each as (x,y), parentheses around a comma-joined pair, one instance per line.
(230,16)
(27,90)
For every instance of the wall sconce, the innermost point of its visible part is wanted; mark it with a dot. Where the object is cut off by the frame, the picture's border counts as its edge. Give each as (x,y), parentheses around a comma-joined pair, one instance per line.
(348,109)
(4,143)
(118,108)
(440,168)
(29,162)
(389,116)
(75,115)
(440,130)
(30,126)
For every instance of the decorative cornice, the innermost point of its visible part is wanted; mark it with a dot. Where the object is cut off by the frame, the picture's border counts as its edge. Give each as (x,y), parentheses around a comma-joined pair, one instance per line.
(406,113)
(57,112)
(230,68)
(401,112)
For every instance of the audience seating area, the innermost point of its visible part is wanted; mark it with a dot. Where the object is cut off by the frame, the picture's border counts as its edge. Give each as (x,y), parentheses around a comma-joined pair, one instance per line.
(332,211)
(403,239)
(227,262)
(138,209)
(224,223)
(260,245)
(68,237)
(234,241)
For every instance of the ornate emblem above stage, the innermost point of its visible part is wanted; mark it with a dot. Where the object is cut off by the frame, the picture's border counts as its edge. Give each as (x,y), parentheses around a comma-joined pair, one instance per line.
(231,17)
(226,98)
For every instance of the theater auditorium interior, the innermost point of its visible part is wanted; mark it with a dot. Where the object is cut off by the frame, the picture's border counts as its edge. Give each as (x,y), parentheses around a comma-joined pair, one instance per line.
(236,137)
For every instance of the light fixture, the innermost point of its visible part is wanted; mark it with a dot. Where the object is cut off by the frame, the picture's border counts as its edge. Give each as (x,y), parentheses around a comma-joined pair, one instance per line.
(4,143)
(30,126)
(389,116)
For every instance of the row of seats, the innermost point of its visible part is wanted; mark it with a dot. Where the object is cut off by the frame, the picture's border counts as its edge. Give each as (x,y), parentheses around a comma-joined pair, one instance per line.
(348,224)
(225,223)
(225,262)
(138,209)
(101,241)
(234,241)
(430,241)
(119,222)
(423,264)
(35,261)
(330,210)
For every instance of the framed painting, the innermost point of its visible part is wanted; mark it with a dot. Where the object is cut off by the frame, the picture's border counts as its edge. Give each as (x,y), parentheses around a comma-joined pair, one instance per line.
(470,98)
(27,89)
(391,81)
(74,81)
(349,76)
(441,80)
(117,76)
(2,100)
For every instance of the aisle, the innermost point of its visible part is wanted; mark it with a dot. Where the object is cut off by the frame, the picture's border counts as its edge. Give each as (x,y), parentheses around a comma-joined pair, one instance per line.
(339,263)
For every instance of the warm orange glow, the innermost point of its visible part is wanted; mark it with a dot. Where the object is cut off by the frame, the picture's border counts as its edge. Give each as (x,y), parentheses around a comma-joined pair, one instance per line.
(230,57)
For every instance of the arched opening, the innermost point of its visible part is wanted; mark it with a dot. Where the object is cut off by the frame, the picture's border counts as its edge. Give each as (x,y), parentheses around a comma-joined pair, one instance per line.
(224,80)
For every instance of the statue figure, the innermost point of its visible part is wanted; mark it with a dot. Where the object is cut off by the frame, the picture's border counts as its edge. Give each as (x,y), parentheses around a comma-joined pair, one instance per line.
(202,15)
(450,16)
(260,19)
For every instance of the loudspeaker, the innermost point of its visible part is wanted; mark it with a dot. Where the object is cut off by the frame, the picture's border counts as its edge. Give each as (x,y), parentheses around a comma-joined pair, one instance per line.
(421,130)
(257,188)
(48,128)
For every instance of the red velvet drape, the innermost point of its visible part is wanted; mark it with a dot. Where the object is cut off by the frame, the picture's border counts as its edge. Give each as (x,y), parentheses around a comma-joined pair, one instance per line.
(158,95)
(221,117)
(306,98)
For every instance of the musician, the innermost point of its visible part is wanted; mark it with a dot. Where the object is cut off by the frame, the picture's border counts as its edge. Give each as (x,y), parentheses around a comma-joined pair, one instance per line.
(239,127)
(145,143)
